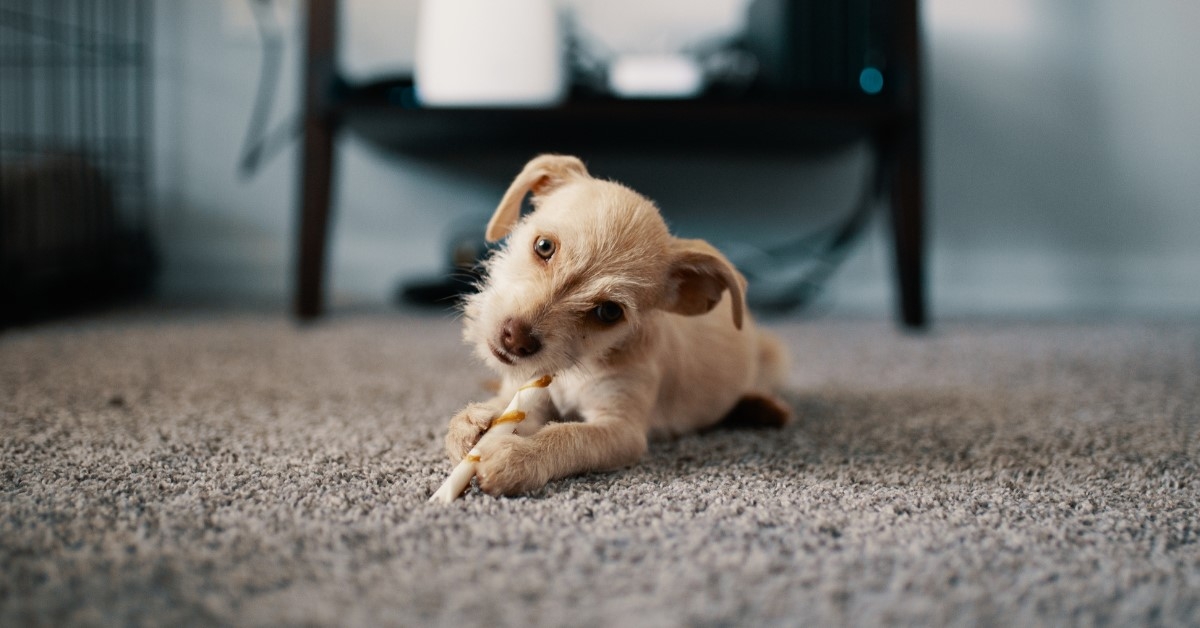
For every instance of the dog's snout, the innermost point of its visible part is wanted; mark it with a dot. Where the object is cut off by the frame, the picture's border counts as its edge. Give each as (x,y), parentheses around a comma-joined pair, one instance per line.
(518,339)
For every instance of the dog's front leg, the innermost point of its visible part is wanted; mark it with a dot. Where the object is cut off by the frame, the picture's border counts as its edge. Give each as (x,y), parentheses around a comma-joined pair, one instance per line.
(516,465)
(469,424)
(472,421)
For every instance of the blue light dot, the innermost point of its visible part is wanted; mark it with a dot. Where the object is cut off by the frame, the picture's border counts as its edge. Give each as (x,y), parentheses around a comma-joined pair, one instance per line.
(871,80)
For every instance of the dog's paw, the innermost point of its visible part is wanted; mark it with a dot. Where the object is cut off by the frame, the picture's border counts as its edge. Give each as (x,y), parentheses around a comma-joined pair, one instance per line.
(465,429)
(758,411)
(509,466)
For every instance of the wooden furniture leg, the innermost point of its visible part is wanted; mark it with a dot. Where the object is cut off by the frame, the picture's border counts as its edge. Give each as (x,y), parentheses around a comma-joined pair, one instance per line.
(906,192)
(317,159)
(904,160)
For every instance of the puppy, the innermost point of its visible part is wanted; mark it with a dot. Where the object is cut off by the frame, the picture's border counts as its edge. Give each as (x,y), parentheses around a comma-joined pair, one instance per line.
(647,335)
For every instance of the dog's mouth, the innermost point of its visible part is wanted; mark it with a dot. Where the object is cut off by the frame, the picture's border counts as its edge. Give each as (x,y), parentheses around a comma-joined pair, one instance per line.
(501,355)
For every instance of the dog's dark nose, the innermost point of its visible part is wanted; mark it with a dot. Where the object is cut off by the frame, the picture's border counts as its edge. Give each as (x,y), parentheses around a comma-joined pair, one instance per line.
(518,339)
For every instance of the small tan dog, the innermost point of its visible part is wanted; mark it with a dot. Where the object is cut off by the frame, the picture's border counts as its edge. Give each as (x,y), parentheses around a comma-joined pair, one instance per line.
(632,322)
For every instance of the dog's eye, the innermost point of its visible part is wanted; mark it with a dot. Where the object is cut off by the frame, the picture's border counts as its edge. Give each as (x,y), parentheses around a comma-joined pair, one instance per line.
(608,312)
(544,247)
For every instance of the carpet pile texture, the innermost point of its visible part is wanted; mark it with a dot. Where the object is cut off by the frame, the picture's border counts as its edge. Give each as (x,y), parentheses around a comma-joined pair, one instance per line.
(238,469)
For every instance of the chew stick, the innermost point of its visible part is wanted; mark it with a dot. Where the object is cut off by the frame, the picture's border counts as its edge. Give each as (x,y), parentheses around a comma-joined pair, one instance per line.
(506,423)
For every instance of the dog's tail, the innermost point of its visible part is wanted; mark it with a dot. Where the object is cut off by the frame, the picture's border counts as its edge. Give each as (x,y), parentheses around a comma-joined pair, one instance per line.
(773,362)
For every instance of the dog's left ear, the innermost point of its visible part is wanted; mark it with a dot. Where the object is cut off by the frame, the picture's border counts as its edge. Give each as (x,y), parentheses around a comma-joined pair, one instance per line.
(541,175)
(698,276)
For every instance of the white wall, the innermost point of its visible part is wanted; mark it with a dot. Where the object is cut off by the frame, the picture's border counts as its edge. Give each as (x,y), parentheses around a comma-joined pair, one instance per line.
(1062,137)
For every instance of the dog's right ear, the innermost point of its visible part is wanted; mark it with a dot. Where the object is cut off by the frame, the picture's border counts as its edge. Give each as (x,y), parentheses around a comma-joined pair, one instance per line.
(699,276)
(540,176)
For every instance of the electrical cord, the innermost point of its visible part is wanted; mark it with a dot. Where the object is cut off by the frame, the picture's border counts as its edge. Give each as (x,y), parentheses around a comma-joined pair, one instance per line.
(260,145)
(790,276)
(784,278)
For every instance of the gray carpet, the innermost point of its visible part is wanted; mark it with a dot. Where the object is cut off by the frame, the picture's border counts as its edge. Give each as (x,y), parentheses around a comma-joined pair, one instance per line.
(222,469)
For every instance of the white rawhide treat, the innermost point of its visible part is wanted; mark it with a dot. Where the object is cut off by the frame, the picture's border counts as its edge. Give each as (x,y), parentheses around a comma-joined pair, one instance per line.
(503,425)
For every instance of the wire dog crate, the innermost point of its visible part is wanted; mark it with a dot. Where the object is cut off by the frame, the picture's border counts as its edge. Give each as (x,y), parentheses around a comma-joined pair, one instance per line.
(75,133)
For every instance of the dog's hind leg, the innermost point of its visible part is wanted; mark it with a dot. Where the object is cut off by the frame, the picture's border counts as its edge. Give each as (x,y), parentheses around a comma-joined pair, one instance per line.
(757,411)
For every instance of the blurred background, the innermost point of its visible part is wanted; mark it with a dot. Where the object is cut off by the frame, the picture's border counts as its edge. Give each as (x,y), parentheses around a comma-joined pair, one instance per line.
(1061,142)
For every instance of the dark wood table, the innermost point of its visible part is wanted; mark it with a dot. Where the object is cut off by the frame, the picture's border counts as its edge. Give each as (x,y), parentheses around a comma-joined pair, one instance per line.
(387,112)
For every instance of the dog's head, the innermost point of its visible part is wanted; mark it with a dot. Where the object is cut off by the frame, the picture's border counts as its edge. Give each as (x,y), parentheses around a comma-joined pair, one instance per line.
(578,276)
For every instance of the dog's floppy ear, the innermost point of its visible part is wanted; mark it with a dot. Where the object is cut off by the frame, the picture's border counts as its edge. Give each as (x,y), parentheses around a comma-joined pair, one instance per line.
(698,276)
(541,175)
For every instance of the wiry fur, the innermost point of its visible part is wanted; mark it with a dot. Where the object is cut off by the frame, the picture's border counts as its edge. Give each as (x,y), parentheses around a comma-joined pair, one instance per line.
(680,359)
